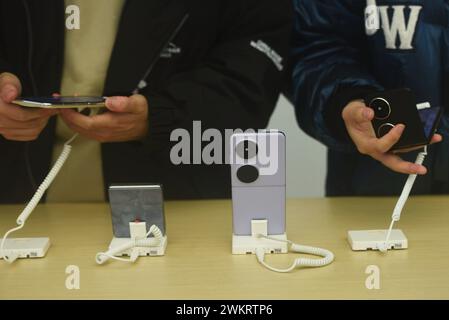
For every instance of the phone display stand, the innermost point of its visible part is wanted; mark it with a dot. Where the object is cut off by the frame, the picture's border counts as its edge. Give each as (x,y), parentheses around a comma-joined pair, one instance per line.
(31,246)
(249,244)
(158,250)
(22,248)
(132,207)
(363,240)
(390,239)
(140,244)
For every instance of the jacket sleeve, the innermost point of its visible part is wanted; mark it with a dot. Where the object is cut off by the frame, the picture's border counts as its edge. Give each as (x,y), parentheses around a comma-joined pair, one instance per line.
(329,67)
(4,67)
(238,83)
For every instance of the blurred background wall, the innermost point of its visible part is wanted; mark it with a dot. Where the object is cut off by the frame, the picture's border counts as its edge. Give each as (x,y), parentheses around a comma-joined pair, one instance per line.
(306,158)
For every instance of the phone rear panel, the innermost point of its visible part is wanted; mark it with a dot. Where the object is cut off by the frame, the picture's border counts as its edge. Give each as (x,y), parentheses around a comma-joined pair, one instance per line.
(142,202)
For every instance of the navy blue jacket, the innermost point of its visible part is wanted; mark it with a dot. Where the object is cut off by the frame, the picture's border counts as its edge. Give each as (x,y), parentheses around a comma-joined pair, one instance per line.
(338,55)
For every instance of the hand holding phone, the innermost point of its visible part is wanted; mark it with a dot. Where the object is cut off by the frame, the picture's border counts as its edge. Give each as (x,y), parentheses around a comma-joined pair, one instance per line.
(17,123)
(124,119)
(399,107)
(367,137)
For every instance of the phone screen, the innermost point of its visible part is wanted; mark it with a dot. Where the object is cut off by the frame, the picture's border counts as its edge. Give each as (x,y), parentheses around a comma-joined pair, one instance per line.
(429,119)
(63,100)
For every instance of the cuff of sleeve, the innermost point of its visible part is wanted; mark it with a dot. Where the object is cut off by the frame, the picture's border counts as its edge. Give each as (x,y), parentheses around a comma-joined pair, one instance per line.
(6,68)
(164,116)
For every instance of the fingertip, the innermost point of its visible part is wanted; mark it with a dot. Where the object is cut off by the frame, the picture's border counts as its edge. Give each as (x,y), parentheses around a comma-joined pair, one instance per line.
(109,102)
(437,138)
(9,93)
(400,128)
(419,170)
(397,131)
(117,104)
(112,103)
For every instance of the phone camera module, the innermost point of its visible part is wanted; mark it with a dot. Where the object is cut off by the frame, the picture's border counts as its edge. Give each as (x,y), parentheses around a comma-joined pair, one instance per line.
(247,174)
(246,149)
(381,107)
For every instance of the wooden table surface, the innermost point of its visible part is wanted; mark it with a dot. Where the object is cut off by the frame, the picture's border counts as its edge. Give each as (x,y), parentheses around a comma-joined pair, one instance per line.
(199,265)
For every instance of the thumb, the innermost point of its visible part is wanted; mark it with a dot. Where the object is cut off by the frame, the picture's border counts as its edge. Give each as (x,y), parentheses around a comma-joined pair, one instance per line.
(133,104)
(10,87)
(117,104)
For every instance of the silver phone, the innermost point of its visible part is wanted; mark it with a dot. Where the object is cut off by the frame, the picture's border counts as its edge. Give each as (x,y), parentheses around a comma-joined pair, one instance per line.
(136,202)
(61,102)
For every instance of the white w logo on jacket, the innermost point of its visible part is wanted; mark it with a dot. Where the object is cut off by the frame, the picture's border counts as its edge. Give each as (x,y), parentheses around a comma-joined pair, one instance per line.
(377,16)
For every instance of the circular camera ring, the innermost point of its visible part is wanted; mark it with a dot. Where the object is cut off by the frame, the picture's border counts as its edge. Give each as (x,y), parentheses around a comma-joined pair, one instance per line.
(247,149)
(384,129)
(381,107)
(247,174)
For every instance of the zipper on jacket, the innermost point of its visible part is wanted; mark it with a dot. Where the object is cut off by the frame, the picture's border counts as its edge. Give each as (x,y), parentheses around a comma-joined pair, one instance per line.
(33,90)
(30,48)
(143,81)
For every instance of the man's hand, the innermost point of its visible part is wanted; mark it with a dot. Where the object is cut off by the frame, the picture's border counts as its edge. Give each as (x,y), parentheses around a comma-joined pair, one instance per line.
(18,123)
(125,120)
(358,119)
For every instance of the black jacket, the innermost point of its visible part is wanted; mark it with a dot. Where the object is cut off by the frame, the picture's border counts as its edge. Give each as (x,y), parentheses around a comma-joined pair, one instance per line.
(217,77)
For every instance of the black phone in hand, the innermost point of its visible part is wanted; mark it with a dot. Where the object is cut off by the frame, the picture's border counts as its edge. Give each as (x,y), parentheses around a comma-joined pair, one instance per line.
(399,106)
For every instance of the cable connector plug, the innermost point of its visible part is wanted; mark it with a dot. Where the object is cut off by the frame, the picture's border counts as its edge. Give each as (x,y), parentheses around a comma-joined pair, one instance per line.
(10,258)
(157,243)
(260,254)
(134,255)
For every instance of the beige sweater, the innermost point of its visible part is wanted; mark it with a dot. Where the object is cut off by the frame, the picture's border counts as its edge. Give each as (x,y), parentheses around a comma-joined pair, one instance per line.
(86,60)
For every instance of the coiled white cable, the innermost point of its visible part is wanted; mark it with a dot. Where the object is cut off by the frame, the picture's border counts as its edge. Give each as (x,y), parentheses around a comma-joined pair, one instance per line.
(37,197)
(328,256)
(402,200)
(102,257)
